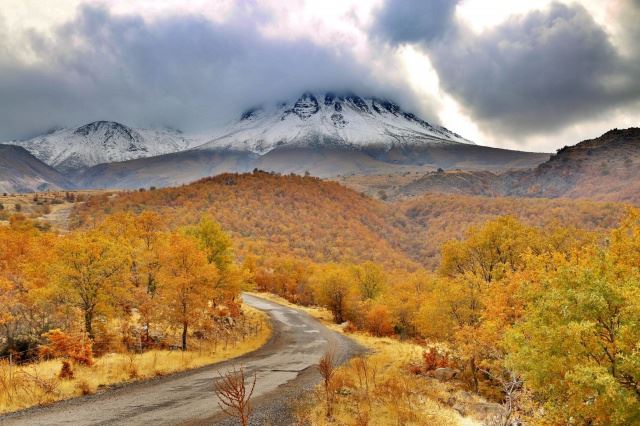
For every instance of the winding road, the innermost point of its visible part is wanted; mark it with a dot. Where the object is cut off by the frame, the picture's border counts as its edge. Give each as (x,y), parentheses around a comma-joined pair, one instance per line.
(284,367)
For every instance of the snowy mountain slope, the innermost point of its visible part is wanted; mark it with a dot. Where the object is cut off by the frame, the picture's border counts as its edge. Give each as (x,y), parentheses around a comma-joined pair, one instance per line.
(70,150)
(324,120)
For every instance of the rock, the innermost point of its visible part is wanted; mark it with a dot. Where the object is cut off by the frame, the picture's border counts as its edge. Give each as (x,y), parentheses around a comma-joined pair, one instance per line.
(485,410)
(460,408)
(444,374)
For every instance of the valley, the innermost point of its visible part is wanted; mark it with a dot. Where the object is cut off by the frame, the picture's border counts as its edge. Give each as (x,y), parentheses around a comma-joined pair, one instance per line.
(320,213)
(380,239)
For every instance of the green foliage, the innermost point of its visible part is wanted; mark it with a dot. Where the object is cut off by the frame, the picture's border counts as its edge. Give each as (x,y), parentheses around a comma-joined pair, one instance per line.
(213,241)
(370,279)
(577,346)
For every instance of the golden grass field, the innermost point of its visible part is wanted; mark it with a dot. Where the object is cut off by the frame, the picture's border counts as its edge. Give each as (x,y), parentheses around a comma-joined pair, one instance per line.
(38,383)
(52,208)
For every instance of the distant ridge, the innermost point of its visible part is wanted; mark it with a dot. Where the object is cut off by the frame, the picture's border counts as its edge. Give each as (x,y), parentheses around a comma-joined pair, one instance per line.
(22,172)
(606,168)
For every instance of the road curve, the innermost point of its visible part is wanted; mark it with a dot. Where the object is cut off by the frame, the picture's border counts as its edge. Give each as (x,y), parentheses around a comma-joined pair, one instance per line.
(284,367)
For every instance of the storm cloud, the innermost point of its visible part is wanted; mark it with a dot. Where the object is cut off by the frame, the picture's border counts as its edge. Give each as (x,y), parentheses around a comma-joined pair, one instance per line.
(533,74)
(409,21)
(184,71)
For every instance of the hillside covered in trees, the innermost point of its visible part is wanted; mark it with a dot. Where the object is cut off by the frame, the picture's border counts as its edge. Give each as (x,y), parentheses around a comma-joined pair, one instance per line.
(308,218)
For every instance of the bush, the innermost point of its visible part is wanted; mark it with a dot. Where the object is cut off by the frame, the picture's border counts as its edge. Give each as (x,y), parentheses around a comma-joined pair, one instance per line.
(62,345)
(378,321)
(66,373)
(432,359)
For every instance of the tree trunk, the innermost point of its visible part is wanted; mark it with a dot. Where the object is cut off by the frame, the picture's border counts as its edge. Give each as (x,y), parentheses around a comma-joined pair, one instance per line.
(88,320)
(474,373)
(184,336)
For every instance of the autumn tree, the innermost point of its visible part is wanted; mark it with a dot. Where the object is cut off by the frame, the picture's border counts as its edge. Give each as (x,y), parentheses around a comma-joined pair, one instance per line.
(189,283)
(89,267)
(149,241)
(26,310)
(473,274)
(214,241)
(334,290)
(577,344)
(371,279)
(218,247)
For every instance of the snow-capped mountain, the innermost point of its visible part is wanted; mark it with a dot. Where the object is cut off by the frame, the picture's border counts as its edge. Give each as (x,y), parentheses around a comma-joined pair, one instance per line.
(70,150)
(327,135)
(328,119)
(312,121)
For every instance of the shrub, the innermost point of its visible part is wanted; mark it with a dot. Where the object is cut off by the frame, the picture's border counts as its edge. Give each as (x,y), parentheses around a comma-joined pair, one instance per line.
(66,373)
(84,387)
(432,359)
(378,321)
(77,348)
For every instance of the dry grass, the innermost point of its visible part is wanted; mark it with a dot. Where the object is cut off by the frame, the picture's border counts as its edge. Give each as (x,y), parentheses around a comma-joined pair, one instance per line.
(379,389)
(50,208)
(39,383)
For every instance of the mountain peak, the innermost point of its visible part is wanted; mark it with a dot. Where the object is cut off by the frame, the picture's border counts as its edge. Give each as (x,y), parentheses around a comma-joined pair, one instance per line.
(70,150)
(111,128)
(330,118)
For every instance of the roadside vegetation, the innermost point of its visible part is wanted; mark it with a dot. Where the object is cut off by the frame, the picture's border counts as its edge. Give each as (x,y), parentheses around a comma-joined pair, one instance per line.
(544,323)
(45,381)
(124,300)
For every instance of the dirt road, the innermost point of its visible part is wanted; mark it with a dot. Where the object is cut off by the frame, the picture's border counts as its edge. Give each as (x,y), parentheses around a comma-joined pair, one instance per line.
(285,368)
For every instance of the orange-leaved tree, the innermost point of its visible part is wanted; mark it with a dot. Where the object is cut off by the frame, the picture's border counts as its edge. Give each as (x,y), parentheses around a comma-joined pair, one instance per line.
(188,282)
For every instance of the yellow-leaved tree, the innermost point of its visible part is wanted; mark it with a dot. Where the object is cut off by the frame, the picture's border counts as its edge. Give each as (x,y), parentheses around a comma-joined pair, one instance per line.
(218,248)
(89,269)
(188,283)
(577,344)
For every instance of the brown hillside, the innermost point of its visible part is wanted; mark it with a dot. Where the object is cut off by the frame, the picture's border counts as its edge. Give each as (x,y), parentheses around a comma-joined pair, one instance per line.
(442,217)
(603,169)
(277,215)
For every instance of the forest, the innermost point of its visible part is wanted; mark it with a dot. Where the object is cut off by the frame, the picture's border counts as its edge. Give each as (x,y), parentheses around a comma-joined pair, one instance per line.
(536,302)
(323,221)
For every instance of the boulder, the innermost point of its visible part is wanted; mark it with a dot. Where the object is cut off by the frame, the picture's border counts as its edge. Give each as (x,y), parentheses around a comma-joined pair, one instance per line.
(444,374)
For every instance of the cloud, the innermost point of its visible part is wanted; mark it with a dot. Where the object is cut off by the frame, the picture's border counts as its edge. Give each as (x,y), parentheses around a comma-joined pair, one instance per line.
(182,71)
(409,21)
(533,74)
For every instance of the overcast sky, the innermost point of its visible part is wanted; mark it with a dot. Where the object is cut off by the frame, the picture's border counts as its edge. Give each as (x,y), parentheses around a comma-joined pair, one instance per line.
(534,75)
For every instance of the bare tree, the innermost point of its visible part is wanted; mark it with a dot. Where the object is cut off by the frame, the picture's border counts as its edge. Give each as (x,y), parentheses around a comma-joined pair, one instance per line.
(512,388)
(233,394)
(327,368)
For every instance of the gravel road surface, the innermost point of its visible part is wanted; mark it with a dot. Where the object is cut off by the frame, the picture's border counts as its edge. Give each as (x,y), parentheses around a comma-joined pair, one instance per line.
(284,367)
